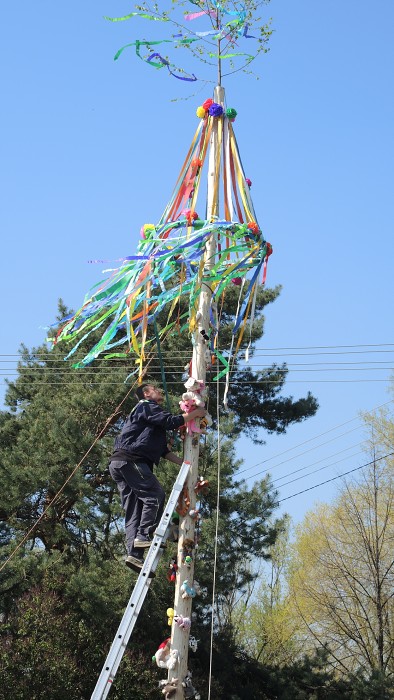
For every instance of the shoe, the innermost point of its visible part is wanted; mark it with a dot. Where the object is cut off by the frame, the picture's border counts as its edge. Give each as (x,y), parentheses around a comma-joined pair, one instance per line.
(142,542)
(134,563)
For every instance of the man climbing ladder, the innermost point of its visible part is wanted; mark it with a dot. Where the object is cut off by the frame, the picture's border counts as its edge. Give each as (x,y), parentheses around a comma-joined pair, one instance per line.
(140,444)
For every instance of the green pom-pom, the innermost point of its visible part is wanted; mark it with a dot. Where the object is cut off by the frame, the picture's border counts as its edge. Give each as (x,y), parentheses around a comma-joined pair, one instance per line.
(231,113)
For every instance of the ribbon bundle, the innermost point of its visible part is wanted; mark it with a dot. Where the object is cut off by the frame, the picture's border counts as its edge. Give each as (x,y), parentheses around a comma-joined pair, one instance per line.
(171,262)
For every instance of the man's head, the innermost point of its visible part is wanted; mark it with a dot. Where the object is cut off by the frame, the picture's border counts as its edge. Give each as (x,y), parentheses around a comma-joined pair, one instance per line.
(148,391)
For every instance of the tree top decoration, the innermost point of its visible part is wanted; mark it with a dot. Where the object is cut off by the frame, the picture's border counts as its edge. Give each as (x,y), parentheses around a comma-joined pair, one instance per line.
(230,32)
(184,253)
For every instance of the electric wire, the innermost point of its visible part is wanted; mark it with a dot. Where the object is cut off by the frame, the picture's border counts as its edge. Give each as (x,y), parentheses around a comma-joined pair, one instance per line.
(301,469)
(316,437)
(340,476)
(315,471)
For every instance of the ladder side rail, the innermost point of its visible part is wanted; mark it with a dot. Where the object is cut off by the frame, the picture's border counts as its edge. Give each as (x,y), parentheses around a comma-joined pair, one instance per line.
(139,592)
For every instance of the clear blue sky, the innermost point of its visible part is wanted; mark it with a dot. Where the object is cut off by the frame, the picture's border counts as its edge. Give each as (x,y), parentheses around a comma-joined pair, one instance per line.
(91,149)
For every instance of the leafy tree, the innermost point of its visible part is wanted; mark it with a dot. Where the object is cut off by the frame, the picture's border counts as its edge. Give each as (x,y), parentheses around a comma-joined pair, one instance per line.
(264,622)
(342,578)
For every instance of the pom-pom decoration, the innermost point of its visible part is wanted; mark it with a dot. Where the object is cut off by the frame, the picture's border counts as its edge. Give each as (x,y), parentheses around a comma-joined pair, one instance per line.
(147,230)
(231,113)
(201,112)
(206,105)
(248,182)
(215,110)
(196,163)
(189,215)
(253,227)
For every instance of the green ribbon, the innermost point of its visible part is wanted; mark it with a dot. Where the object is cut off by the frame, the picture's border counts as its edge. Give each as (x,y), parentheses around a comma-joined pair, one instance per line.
(230,55)
(137,14)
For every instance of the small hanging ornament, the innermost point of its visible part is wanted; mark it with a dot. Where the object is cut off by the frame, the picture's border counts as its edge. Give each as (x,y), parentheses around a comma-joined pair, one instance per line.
(172,571)
(215,110)
(201,486)
(196,163)
(170,615)
(206,105)
(253,227)
(201,112)
(147,230)
(189,215)
(231,113)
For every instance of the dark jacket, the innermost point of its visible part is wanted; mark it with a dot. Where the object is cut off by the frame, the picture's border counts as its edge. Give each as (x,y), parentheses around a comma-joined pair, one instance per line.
(144,432)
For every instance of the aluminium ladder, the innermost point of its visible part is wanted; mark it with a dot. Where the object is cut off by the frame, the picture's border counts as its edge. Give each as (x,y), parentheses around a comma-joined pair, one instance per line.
(140,590)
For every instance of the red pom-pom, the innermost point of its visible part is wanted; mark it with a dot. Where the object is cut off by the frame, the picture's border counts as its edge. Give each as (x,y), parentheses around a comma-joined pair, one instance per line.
(196,163)
(237,281)
(268,248)
(207,104)
(248,182)
(189,215)
(252,226)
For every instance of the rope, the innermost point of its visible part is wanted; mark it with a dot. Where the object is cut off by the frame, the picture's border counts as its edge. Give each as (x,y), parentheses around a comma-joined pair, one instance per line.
(216,537)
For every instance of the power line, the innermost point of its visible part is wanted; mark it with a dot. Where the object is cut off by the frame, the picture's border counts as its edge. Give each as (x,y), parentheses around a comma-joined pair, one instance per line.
(302,453)
(300,347)
(315,471)
(323,367)
(238,383)
(301,469)
(340,476)
(316,437)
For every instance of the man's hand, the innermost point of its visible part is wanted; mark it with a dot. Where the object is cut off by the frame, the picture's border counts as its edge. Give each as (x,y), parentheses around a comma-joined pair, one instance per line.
(172,457)
(195,413)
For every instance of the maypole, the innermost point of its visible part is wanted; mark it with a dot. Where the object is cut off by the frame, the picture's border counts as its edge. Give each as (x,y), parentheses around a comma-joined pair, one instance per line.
(184,258)
(182,605)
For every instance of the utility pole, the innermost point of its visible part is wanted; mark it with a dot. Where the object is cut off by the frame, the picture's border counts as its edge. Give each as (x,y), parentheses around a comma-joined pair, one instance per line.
(180,637)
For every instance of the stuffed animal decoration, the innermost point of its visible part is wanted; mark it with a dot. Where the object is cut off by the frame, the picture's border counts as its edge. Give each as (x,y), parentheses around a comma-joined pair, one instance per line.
(201,486)
(184,623)
(189,689)
(193,643)
(187,591)
(172,570)
(170,615)
(172,659)
(166,657)
(168,687)
(196,385)
(162,653)
(173,533)
(205,423)
(187,405)
(183,504)
(193,396)
(187,551)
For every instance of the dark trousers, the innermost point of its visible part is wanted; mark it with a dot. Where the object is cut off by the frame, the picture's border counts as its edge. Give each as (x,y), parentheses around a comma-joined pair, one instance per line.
(142,498)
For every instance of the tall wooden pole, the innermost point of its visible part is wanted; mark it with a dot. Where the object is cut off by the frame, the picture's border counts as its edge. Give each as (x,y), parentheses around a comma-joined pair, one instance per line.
(183,606)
